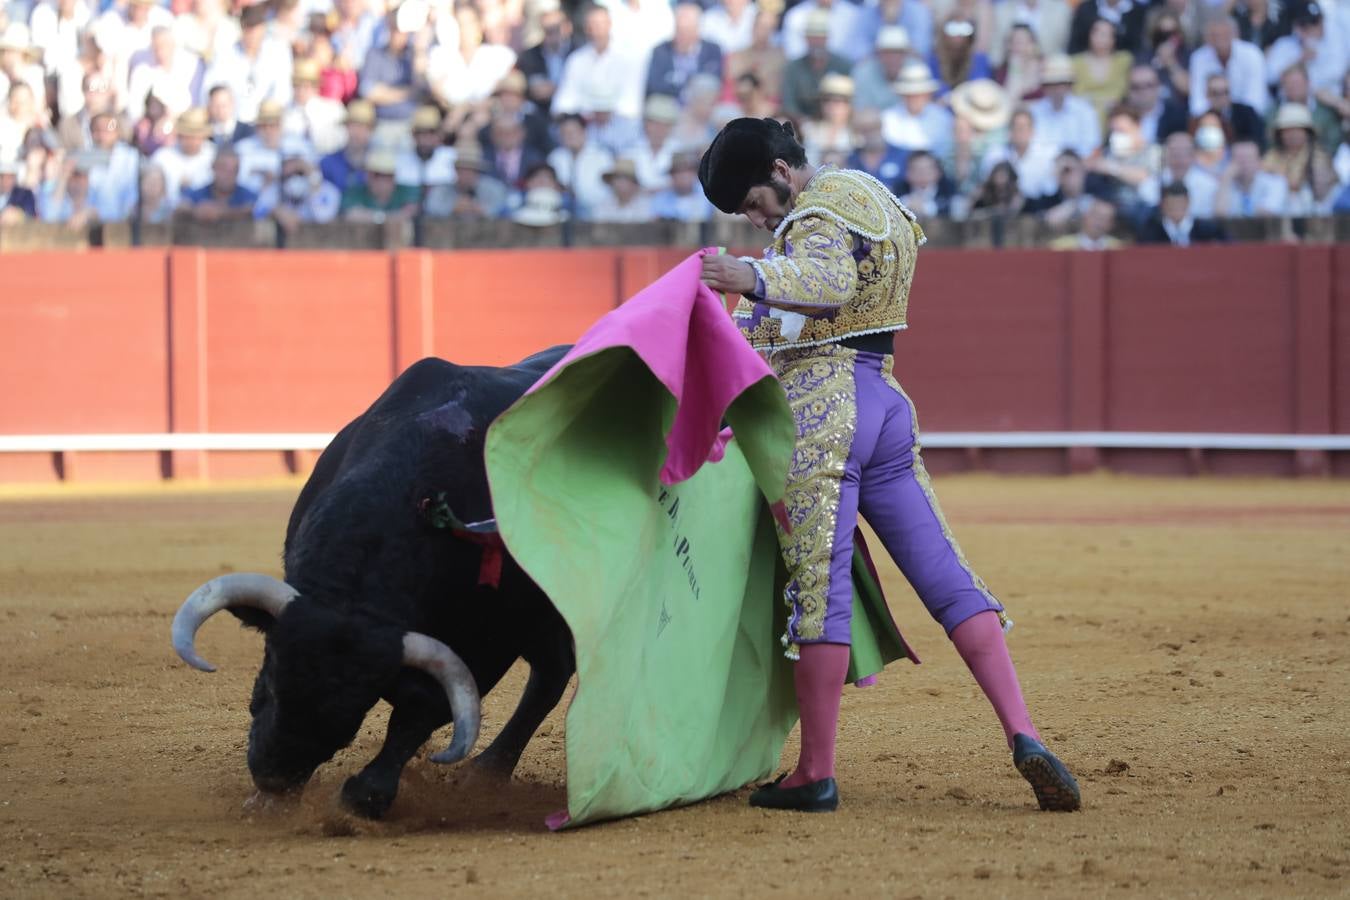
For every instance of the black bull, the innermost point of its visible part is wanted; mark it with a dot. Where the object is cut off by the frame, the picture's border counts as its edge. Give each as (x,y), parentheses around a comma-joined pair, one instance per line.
(382,596)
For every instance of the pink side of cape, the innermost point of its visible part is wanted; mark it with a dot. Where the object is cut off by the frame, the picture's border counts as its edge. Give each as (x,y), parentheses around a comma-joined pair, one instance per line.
(681,331)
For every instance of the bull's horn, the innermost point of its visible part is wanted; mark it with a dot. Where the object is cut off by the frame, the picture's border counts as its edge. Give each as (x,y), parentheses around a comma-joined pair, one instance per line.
(441,663)
(237,589)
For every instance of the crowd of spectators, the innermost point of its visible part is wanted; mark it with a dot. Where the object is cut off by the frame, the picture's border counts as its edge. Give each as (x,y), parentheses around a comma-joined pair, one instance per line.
(1167,117)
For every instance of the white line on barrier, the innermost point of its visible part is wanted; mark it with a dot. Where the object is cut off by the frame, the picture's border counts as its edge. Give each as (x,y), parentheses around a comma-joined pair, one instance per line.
(1133,440)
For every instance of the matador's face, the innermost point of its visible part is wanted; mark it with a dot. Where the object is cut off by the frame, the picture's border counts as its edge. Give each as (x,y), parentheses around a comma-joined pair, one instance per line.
(766,204)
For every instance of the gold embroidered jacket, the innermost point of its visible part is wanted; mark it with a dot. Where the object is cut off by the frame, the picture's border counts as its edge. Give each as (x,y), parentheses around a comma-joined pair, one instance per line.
(846,252)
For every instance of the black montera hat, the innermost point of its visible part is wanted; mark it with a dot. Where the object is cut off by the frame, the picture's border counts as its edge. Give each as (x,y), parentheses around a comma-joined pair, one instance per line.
(739,158)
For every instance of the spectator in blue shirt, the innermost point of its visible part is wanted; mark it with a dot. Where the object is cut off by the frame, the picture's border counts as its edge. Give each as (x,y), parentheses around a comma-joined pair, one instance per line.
(395,69)
(346,168)
(874,156)
(16,203)
(684,200)
(224,199)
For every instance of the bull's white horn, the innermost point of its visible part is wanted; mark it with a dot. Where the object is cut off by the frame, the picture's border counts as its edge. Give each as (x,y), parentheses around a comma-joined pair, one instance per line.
(440,662)
(236,589)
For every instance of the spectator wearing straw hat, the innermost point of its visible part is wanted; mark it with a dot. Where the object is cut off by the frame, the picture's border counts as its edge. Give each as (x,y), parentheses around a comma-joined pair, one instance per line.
(626,203)
(840,21)
(260,155)
(832,133)
(873,155)
(345,168)
(1296,157)
(16,203)
(311,117)
(187,163)
(1294,88)
(652,154)
(685,55)
(915,122)
(511,100)
(683,200)
(255,68)
(802,77)
(874,77)
(1063,120)
(379,198)
(429,163)
(476,194)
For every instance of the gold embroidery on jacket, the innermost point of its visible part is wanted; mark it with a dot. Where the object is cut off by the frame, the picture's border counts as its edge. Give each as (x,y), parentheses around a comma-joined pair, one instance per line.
(820,390)
(813,257)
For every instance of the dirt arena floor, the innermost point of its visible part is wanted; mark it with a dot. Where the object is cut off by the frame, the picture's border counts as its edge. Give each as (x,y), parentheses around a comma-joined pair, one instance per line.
(1184,646)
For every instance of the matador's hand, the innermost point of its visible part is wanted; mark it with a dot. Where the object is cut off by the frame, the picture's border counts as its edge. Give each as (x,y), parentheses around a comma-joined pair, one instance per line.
(728,274)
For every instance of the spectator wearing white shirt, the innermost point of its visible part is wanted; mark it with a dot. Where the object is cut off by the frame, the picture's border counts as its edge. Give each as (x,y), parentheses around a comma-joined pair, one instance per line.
(1032,160)
(312,117)
(1064,121)
(916,122)
(169,72)
(913,16)
(600,67)
(299,196)
(730,25)
(1224,54)
(1320,52)
(845,38)
(463,68)
(260,156)
(1245,190)
(55,28)
(187,163)
(208,30)
(255,69)
(580,164)
(114,171)
(641,24)
(653,153)
(124,31)
(1179,167)
(430,163)
(19,117)
(874,77)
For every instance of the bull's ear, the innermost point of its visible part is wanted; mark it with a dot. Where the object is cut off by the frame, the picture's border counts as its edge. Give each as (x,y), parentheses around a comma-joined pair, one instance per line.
(253,618)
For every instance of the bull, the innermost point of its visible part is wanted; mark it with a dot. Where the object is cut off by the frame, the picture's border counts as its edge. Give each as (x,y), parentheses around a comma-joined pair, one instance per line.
(384,597)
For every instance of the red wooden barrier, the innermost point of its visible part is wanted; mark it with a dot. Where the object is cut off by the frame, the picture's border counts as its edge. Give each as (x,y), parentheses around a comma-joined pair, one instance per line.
(1242,339)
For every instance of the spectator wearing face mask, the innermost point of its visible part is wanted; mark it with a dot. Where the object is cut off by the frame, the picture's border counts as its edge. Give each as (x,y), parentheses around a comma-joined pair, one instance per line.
(1245,189)
(1212,140)
(1240,120)
(1174,224)
(1129,164)
(300,195)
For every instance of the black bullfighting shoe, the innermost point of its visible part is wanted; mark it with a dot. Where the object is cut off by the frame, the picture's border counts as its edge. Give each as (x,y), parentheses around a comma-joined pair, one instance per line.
(818,796)
(1054,786)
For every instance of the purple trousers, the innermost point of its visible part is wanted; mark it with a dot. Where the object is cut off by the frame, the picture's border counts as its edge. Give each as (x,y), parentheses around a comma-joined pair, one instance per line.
(858,453)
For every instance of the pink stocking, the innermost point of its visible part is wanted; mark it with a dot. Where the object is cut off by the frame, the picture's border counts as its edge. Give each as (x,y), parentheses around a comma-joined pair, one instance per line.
(979,640)
(819,678)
